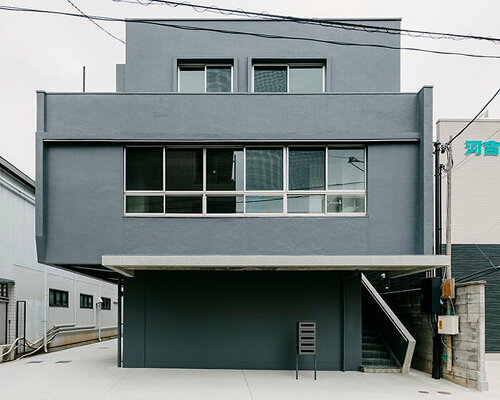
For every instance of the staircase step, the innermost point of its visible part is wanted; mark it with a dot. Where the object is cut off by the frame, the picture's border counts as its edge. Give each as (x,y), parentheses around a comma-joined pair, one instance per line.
(381,354)
(379,362)
(380,370)
(374,346)
(371,339)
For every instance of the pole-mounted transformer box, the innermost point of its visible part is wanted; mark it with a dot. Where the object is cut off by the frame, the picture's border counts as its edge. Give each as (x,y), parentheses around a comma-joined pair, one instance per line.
(431,295)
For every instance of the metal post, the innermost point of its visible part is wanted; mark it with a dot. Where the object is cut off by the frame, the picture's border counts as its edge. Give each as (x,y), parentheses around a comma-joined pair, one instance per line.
(119,325)
(83,79)
(314,366)
(297,366)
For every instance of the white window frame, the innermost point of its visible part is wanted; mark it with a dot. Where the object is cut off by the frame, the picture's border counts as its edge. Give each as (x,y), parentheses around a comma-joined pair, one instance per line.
(288,65)
(205,66)
(284,192)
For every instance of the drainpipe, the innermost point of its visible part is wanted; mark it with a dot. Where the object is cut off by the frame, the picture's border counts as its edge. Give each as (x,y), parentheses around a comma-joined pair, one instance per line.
(100,313)
(75,303)
(45,306)
(119,324)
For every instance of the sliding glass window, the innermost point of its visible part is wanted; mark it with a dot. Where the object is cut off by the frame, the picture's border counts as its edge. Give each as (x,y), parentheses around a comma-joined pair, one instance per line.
(289,78)
(244,181)
(201,78)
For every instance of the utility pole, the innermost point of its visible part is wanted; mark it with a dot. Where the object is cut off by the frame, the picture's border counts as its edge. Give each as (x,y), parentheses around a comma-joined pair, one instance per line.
(451,284)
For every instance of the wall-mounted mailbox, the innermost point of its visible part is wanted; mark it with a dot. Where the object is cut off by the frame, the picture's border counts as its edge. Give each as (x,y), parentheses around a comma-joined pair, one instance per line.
(448,324)
(306,343)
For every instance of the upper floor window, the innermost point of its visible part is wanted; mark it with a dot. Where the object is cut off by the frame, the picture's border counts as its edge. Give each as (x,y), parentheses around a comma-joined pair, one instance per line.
(289,78)
(249,180)
(201,78)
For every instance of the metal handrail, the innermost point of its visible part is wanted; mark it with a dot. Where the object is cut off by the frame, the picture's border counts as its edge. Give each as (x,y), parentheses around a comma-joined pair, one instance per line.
(395,321)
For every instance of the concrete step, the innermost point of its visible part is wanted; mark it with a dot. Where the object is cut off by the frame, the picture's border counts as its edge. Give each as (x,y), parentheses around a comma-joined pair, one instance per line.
(380,354)
(374,346)
(380,370)
(379,362)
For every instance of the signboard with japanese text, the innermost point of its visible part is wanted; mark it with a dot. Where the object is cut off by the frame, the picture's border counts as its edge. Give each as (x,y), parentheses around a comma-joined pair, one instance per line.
(478,147)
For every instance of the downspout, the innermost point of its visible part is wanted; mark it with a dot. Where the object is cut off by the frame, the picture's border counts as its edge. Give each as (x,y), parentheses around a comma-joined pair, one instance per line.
(100,313)
(119,324)
(45,306)
(75,303)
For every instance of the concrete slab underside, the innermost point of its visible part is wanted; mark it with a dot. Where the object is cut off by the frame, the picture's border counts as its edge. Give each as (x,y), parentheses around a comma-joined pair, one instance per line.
(92,374)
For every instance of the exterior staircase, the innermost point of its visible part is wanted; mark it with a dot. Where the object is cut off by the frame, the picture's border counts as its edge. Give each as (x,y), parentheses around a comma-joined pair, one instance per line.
(377,357)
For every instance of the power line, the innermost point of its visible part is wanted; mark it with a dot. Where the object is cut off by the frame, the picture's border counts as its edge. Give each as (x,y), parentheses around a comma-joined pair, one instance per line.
(472,120)
(95,23)
(315,21)
(254,34)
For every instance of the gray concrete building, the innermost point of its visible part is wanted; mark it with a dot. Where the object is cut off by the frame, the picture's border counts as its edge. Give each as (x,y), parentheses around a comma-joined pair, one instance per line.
(37,298)
(240,184)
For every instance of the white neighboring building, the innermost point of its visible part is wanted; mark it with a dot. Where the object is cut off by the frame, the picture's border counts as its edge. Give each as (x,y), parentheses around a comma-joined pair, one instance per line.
(475,213)
(54,297)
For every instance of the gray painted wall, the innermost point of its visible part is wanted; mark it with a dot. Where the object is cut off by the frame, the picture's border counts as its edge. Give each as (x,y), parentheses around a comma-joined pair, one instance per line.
(240,319)
(84,213)
(153,52)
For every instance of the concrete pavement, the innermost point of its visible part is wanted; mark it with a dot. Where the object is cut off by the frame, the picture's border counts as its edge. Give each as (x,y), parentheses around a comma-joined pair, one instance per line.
(90,372)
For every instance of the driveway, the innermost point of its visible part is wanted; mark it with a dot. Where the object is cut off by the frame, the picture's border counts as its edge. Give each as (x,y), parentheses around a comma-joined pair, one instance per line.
(90,372)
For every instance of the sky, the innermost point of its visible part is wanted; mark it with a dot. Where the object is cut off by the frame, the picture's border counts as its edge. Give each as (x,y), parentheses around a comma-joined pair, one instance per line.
(40,52)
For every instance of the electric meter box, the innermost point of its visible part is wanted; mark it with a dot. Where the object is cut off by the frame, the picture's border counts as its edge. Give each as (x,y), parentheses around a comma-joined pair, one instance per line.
(448,324)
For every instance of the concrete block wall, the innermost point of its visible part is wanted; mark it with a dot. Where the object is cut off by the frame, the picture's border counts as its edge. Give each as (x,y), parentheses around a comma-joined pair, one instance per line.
(468,346)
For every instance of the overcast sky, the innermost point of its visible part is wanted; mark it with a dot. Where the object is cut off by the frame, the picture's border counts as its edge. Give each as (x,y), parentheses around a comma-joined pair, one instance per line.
(40,52)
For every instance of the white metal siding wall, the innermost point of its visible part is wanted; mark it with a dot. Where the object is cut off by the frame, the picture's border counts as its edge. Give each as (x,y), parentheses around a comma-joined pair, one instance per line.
(476,188)
(18,263)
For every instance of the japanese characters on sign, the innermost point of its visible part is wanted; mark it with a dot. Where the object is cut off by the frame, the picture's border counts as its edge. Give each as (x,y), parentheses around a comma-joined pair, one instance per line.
(489,148)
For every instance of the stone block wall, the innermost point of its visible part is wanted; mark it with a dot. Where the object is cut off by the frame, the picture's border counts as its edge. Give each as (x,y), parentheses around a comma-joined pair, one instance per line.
(468,346)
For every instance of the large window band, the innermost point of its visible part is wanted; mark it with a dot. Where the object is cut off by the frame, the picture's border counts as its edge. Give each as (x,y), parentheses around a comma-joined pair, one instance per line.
(245,181)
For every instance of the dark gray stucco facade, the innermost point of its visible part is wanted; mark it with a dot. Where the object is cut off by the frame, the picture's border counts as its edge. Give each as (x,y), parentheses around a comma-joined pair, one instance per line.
(171,317)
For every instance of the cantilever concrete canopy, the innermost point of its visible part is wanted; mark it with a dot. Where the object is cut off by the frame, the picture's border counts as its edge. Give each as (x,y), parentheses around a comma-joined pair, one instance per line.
(393,265)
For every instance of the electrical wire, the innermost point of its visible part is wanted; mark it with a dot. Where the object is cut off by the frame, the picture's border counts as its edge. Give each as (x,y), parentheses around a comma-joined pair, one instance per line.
(95,23)
(253,34)
(314,21)
(472,120)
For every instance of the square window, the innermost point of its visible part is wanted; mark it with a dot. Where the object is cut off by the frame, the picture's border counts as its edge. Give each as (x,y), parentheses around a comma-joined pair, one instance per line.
(192,79)
(346,169)
(264,169)
(184,169)
(269,79)
(306,79)
(224,169)
(144,168)
(218,79)
(306,168)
